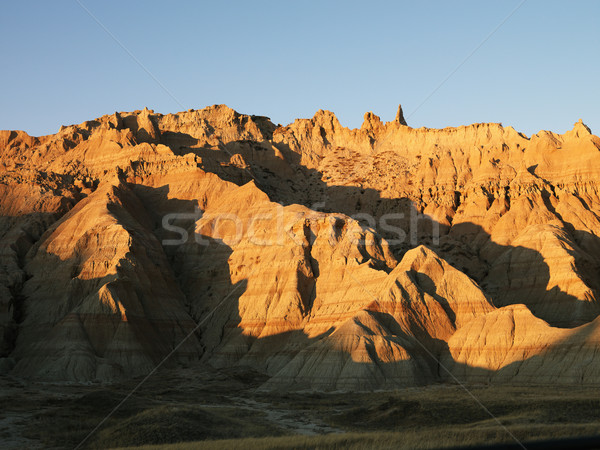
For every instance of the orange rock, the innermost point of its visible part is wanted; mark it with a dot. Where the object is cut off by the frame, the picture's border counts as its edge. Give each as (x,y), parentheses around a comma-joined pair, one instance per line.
(325,257)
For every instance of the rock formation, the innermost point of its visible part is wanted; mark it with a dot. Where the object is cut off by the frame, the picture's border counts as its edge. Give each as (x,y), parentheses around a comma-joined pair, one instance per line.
(325,257)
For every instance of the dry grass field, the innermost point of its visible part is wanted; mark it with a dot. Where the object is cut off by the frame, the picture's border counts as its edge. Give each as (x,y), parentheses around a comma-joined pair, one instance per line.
(208,409)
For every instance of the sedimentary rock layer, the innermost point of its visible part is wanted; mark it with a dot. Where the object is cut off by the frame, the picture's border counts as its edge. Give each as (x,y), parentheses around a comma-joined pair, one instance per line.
(325,257)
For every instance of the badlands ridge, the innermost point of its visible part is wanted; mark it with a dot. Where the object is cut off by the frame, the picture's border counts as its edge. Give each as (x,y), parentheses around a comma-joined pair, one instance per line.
(325,257)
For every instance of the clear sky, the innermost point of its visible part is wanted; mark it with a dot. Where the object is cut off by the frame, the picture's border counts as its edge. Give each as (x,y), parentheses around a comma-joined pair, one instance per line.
(285,60)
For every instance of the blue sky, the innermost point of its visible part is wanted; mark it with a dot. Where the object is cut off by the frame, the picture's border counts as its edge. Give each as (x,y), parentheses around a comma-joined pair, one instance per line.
(286,60)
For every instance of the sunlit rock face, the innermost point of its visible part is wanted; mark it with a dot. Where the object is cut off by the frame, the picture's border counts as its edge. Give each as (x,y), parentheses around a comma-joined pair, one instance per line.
(325,257)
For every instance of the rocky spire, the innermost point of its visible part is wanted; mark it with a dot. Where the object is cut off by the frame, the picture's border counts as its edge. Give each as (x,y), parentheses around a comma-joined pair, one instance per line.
(400,116)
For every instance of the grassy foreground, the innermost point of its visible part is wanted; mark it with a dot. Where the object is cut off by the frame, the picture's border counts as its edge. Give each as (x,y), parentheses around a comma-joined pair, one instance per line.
(426,439)
(432,417)
(215,410)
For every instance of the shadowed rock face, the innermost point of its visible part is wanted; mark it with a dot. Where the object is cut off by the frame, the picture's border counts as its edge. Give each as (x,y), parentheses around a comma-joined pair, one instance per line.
(324,257)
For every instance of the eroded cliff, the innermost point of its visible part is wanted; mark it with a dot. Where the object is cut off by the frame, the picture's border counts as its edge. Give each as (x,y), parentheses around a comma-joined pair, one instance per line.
(324,257)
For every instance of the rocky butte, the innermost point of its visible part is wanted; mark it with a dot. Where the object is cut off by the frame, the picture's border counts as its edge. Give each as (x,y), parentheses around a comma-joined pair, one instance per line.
(324,257)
